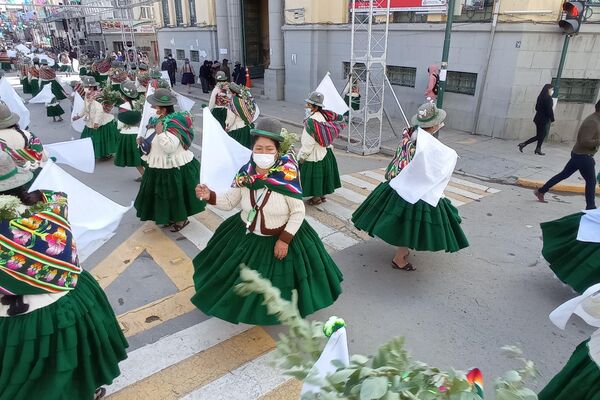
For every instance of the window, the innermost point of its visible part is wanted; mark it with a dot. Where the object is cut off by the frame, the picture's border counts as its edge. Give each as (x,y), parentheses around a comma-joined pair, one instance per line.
(359,69)
(167,52)
(180,54)
(470,11)
(192,5)
(461,82)
(178,13)
(165,12)
(194,55)
(146,13)
(401,76)
(578,90)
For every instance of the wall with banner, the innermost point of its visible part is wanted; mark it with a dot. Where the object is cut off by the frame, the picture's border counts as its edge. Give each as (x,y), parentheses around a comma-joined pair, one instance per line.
(404,5)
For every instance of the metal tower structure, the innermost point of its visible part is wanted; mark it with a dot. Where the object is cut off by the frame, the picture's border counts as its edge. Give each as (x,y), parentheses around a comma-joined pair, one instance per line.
(370,24)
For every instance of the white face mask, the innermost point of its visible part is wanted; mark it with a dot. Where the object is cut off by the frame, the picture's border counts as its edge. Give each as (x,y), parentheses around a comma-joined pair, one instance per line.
(264,161)
(307,113)
(551,92)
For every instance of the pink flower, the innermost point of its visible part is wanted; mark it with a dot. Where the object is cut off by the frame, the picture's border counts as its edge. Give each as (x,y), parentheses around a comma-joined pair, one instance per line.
(443,389)
(21,237)
(56,244)
(16,262)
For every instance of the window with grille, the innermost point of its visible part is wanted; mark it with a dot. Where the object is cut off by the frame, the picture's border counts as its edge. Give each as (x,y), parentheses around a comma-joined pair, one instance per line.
(180,54)
(192,4)
(194,55)
(359,70)
(165,12)
(401,76)
(461,82)
(578,90)
(167,52)
(178,12)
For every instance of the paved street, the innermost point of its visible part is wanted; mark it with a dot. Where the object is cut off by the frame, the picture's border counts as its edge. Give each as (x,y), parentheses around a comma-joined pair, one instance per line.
(456,310)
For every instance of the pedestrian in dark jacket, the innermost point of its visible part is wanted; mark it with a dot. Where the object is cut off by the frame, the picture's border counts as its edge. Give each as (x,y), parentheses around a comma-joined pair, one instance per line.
(172,69)
(544,116)
(582,160)
(225,68)
(239,74)
(205,75)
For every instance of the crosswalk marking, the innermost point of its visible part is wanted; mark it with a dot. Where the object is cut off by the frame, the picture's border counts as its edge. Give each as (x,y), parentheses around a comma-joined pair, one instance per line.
(215,359)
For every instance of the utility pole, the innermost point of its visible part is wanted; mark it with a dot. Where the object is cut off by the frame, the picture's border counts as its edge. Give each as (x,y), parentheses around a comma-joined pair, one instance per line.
(445,53)
(561,65)
(570,23)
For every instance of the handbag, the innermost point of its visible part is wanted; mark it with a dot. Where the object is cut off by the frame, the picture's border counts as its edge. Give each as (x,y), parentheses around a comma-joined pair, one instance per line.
(146,144)
(404,154)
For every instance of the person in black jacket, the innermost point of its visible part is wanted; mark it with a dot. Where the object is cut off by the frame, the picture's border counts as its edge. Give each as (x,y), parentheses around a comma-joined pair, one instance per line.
(205,74)
(544,116)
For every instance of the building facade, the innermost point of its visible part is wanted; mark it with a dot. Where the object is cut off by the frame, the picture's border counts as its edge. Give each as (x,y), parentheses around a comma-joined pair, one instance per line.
(496,71)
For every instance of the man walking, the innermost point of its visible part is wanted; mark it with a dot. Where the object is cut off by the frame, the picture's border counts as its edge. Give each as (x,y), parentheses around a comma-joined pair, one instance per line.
(582,160)
(225,68)
(171,68)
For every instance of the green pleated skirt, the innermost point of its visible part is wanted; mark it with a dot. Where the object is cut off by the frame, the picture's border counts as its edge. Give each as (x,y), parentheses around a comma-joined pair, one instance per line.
(307,268)
(66,68)
(35,87)
(575,263)
(128,153)
(58,91)
(220,113)
(168,195)
(6,66)
(242,136)
(104,138)
(578,380)
(418,226)
(320,178)
(64,351)
(54,111)
(26,87)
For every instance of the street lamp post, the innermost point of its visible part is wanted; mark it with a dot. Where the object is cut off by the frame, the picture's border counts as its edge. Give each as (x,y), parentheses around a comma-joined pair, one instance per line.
(445,53)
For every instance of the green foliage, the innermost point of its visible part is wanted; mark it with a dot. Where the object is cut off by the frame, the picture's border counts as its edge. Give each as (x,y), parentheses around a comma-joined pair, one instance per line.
(389,375)
(109,96)
(289,140)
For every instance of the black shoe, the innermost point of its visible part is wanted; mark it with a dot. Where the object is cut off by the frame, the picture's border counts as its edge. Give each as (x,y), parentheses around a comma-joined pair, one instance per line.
(539,152)
(521,146)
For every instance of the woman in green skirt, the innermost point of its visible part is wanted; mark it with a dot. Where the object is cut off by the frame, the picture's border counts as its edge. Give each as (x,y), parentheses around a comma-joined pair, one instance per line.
(53,109)
(59,337)
(220,98)
(419,226)
(99,125)
(167,193)
(24,78)
(319,169)
(34,77)
(575,261)
(128,152)
(269,235)
(241,115)
(580,377)
(48,77)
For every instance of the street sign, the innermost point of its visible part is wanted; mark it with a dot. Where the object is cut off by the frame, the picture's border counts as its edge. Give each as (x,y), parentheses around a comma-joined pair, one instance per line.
(403,5)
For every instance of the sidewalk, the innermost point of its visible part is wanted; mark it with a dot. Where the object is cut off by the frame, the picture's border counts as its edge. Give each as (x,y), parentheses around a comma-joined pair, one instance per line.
(493,160)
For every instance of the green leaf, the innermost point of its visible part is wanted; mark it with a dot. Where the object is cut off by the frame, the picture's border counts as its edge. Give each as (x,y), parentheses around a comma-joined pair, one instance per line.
(359,359)
(512,376)
(374,388)
(391,396)
(392,354)
(365,372)
(341,375)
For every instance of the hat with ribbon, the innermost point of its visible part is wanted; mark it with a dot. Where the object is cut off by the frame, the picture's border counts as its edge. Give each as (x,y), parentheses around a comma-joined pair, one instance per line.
(162,98)
(221,77)
(129,89)
(7,117)
(428,115)
(316,99)
(269,128)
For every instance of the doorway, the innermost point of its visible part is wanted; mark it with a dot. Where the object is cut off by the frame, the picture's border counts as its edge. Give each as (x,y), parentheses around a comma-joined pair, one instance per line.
(255,29)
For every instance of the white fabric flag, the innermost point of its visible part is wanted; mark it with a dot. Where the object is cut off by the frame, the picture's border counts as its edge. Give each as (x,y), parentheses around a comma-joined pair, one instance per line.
(11,53)
(222,156)
(78,107)
(165,76)
(332,101)
(335,349)
(75,64)
(589,227)
(184,103)
(427,175)
(14,102)
(147,113)
(23,49)
(90,229)
(560,316)
(79,154)
(45,96)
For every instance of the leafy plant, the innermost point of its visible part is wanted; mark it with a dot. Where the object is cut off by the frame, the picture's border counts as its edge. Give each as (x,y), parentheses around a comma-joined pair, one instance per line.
(290,139)
(109,96)
(388,375)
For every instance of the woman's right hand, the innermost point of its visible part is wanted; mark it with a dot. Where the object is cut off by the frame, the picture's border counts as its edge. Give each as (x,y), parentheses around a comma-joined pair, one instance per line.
(139,140)
(203,192)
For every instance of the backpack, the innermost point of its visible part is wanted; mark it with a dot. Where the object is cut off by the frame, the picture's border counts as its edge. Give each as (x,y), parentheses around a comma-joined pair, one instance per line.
(436,87)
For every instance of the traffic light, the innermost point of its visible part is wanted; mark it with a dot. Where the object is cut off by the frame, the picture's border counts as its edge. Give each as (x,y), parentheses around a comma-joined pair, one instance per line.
(571,17)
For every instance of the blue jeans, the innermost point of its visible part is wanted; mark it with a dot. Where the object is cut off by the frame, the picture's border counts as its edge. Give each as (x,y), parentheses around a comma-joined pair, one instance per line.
(585,164)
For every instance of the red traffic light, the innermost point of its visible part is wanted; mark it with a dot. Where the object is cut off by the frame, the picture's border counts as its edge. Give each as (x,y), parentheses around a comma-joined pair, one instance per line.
(572,17)
(572,9)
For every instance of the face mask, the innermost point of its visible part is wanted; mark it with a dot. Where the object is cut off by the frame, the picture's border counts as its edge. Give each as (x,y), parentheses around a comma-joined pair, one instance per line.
(307,113)
(263,161)
(551,92)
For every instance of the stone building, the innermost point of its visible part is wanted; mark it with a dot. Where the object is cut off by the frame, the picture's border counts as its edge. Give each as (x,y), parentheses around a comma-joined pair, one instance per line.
(498,69)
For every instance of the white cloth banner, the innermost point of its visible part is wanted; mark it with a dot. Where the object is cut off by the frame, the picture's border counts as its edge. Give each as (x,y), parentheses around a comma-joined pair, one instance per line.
(43,97)
(147,113)
(14,103)
(11,53)
(561,315)
(332,101)
(589,227)
(90,229)
(427,175)
(335,349)
(23,49)
(78,154)
(222,156)
(184,103)
(78,107)
(165,76)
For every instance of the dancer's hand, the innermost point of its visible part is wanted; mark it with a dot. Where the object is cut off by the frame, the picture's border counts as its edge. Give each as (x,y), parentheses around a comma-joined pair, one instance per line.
(203,192)
(281,249)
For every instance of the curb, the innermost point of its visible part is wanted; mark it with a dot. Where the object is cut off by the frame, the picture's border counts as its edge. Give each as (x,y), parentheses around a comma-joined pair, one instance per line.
(283,121)
(565,188)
